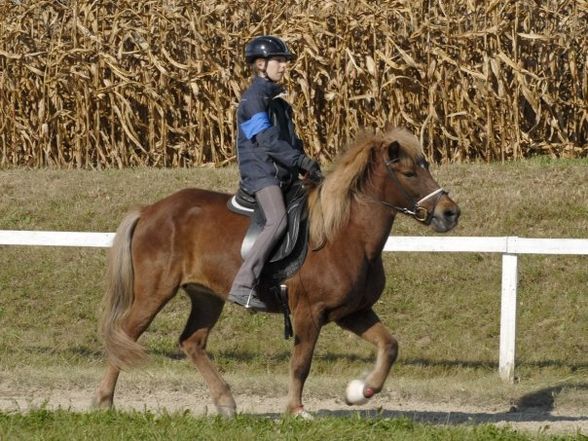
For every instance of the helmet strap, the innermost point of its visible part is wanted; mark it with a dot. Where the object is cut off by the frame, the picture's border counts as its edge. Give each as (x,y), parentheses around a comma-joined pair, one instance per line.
(262,72)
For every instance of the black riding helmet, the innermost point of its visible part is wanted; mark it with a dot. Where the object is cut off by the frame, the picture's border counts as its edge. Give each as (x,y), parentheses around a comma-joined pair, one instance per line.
(266,46)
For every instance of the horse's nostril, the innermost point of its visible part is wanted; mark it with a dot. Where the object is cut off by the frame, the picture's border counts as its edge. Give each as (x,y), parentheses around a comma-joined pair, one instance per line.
(451,214)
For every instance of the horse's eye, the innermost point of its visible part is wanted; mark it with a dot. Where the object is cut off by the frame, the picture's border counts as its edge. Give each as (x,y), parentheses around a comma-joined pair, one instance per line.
(409,174)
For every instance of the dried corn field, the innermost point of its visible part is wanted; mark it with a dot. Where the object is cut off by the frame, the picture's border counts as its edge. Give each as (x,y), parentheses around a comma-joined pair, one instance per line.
(96,84)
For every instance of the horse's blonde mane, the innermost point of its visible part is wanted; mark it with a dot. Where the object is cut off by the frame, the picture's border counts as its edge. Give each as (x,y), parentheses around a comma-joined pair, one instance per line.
(330,202)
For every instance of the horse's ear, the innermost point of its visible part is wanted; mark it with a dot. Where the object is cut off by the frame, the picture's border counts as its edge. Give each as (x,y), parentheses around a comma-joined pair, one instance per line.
(394,151)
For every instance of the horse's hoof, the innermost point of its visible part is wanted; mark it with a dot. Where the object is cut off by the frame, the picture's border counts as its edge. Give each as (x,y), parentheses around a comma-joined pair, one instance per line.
(100,404)
(355,394)
(302,414)
(226,411)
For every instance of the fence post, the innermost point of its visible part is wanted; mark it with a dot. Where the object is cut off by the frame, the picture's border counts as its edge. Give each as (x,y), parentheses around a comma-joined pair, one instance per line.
(508,313)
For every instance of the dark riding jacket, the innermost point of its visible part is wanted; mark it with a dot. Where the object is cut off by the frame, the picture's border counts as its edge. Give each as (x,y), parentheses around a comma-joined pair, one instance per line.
(268,150)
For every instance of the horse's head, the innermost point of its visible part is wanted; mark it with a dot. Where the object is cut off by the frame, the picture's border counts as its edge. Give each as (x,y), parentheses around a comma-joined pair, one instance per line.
(409,187)
(387,168)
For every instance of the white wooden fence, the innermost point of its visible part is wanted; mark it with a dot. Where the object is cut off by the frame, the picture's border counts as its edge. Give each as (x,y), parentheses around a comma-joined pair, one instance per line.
(509,246)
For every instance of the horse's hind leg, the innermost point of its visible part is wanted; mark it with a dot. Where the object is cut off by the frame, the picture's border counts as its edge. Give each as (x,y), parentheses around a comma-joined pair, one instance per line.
(206,309)
(367,325)
(146,304)
(104,394)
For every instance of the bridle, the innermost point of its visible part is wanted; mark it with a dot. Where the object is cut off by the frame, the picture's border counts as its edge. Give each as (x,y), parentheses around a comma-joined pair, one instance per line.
(419,212)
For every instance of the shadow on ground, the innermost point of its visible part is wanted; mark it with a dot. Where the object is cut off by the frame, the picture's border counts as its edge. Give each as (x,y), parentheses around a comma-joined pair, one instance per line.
(535,407)
(454,418)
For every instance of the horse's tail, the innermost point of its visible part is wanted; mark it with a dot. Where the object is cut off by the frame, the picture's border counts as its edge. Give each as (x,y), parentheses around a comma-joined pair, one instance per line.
(122,351)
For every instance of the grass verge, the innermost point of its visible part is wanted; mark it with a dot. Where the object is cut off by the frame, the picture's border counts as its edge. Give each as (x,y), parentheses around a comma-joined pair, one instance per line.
(60,425)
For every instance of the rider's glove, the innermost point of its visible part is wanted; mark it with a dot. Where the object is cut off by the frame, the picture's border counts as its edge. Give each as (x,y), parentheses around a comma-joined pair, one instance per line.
(311,168)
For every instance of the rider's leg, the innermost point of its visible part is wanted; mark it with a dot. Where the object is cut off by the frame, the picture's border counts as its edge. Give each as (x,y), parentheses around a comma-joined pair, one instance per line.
(271,202)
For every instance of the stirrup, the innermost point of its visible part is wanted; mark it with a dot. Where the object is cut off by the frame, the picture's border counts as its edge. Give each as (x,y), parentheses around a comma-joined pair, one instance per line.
(254,303)
(248,299)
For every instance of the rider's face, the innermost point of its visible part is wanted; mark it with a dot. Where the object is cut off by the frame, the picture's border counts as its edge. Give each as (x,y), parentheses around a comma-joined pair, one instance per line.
(275,68)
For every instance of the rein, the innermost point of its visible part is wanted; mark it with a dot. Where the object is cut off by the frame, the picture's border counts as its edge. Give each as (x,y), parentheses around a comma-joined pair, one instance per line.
(419,212)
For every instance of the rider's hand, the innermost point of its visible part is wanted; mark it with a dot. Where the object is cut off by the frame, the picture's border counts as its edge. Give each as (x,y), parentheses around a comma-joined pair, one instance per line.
(315,176)
(312,169)
(309,165)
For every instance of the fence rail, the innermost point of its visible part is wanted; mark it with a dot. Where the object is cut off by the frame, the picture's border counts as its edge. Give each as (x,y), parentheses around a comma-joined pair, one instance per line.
(509,246)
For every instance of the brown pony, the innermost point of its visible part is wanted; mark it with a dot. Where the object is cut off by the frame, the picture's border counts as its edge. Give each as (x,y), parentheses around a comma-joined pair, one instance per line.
(191,240)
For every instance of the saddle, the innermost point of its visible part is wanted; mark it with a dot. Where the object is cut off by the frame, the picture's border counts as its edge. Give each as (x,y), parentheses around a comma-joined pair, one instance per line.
(289,254)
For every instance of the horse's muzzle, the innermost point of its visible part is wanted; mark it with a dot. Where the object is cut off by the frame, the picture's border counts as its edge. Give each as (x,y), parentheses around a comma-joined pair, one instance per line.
(445,215)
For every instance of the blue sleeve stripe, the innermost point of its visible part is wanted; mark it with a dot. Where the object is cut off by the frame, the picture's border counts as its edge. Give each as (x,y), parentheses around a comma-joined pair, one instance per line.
(256,124)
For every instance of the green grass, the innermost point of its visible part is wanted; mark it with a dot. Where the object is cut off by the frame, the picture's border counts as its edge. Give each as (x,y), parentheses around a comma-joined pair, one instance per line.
(443,308)
(63,425)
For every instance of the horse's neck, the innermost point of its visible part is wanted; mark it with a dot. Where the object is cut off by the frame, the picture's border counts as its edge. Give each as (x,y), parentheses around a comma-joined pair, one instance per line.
(372,222)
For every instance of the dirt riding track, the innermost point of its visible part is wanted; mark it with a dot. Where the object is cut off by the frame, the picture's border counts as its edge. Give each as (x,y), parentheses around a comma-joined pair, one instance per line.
(538,414)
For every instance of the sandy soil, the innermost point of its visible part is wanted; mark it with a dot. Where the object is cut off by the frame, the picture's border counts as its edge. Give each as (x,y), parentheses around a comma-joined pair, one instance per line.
(534,419)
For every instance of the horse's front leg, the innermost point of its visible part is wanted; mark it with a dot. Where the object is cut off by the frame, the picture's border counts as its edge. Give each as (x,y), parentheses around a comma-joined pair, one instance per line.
(368,326)
(306,332)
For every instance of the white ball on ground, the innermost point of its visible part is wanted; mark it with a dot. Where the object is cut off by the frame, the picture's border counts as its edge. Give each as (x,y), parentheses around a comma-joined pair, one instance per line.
(354,393)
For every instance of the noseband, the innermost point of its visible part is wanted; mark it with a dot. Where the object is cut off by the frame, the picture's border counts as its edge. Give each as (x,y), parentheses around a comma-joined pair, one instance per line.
(419,212)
